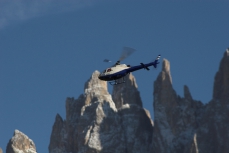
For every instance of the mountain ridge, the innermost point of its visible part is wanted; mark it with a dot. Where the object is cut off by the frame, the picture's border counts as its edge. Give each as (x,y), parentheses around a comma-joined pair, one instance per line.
(100,122)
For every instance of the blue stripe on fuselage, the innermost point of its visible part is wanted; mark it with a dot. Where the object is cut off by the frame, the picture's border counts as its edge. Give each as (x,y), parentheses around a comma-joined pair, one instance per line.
(114,76)
(124,72)
(138,67)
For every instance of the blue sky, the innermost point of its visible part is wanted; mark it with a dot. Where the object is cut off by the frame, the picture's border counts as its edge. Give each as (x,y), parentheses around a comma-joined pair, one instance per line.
(49,49)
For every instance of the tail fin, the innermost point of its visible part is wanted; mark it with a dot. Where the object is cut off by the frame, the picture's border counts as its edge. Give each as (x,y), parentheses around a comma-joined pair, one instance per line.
(156,61)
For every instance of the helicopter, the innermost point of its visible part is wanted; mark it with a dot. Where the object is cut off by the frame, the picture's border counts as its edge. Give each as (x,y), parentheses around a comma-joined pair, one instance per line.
(116,74)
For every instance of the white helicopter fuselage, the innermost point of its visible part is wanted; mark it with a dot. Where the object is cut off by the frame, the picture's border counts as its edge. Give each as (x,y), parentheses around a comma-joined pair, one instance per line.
(112,73)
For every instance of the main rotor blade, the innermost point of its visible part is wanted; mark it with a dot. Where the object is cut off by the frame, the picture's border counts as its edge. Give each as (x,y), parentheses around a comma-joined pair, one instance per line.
(107,60)
(127,51)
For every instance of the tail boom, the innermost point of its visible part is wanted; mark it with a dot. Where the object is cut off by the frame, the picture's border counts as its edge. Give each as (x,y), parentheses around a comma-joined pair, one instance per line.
(143,66)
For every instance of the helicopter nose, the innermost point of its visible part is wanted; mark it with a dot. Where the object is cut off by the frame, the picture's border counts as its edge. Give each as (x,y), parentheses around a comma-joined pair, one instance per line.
(100,77)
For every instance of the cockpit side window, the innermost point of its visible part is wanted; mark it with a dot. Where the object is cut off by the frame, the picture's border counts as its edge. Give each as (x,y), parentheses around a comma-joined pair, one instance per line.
(108,70)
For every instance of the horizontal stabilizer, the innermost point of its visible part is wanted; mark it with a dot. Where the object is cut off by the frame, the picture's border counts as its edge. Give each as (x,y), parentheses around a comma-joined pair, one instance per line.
(145,67)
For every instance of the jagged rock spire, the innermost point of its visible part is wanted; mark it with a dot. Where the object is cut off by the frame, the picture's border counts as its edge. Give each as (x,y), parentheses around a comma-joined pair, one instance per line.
(96,88)
(93,124)
(20,143)
(164,101)
(80,131)
(214,126)
(166,70)
(176,118)
(57,139)
(187,94)
(163,90)
(221,84)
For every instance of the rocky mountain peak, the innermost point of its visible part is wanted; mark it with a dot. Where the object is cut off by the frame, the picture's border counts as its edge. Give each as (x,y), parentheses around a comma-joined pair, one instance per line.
(214,125)
(176,118)
(20,143)
(221,84)
(95,85)
(95,88)
(126,93)
(163,90)
(165,99)
(166,70)
(1,150)
(93,124)
(227,51)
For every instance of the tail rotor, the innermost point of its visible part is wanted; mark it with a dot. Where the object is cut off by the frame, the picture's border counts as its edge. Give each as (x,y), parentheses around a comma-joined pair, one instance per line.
(156,61)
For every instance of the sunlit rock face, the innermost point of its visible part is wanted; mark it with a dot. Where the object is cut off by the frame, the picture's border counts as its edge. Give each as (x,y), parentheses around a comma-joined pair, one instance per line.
(94,124)
(1,150)
(20,143)
(85,118)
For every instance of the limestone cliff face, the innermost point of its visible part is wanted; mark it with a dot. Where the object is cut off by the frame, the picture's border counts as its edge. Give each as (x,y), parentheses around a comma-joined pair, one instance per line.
(94,124)
(20,143)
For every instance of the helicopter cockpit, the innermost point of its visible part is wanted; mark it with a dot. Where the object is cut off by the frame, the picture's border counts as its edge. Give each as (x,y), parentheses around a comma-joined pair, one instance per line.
(109,73)
(107,70)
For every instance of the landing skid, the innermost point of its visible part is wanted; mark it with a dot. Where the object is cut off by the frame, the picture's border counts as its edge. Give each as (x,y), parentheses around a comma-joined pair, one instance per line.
(118,81)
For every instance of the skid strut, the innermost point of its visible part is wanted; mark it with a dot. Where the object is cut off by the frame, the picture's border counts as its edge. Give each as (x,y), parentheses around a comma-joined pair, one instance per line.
(118,81)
